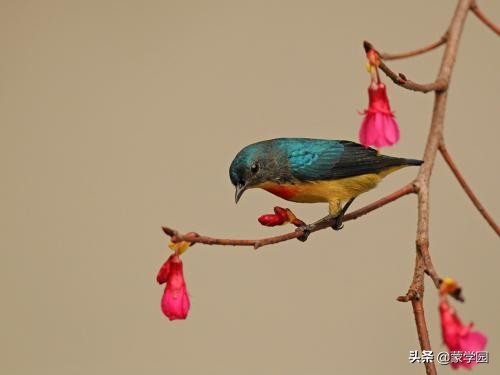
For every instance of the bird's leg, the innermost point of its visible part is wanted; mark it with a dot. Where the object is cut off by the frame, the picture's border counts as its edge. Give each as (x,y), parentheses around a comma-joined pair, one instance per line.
(337,224)
(332,220)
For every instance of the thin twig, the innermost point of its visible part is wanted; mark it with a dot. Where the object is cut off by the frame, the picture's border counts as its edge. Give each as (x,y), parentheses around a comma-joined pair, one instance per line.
(196,238)
(416,52)
(479,14)
(400,79)
(423,249)
(467,189)
(418,312)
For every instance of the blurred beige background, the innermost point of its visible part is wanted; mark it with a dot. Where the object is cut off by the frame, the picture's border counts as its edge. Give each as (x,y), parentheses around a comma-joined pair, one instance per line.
(118,117)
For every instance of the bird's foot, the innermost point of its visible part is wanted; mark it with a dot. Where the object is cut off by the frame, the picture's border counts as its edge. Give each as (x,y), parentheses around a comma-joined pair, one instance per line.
(337,223)
(334,222)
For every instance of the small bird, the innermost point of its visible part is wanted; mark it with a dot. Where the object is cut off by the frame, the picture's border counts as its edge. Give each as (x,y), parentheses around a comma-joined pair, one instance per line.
(312,170)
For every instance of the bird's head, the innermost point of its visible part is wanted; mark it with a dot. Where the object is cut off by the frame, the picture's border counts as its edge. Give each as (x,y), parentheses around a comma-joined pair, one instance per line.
(252,166)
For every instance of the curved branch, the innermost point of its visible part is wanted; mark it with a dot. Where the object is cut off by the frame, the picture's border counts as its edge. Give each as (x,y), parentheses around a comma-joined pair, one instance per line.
(416,52)
(479,14)
(467,189)
(196,238)
(400,79)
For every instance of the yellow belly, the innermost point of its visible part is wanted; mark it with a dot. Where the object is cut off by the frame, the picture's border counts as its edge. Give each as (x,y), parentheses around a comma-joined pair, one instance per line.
(331,191)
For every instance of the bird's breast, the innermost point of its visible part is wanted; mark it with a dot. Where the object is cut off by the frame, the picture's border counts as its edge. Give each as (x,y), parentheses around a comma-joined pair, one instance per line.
(285,191)
(304,192)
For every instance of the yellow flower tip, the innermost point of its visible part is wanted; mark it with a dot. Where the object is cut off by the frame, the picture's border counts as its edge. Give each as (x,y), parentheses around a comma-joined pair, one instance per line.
(448,286)
(449,281)
(293,219)
(291,215)
(369,67)
(179,247)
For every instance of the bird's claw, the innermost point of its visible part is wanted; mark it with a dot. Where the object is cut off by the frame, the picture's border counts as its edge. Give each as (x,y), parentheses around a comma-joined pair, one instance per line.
(306,231)
(337,224)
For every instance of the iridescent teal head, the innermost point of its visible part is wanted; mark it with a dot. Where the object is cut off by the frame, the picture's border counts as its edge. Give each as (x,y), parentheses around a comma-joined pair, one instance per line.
(255,164)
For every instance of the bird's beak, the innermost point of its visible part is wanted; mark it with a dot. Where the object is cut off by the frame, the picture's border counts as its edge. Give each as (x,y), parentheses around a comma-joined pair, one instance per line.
(240,189)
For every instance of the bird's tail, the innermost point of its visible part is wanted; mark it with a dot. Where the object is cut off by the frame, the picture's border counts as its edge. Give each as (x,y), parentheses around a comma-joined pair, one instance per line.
(412,162)
(393,164)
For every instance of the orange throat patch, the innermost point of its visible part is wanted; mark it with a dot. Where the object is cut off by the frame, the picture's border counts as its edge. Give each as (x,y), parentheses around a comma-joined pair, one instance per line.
(283,191)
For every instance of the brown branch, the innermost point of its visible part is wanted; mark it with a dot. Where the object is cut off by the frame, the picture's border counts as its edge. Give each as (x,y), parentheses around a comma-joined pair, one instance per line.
(423,335)
(423,263)
(196,238)
(479,14)
(467,189)
(416,52)
(423,250)
(400,79)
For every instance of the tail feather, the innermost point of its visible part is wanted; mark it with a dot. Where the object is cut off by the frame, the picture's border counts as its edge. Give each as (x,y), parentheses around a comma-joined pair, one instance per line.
(412,162)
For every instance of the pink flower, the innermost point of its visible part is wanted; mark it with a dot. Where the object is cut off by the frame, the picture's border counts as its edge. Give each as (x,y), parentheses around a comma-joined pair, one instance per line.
(175,302)
(458,337)
(379,128)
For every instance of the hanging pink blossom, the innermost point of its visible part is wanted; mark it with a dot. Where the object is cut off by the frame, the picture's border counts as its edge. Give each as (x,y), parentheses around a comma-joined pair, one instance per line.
(175,302)
(458,337)
(379,127)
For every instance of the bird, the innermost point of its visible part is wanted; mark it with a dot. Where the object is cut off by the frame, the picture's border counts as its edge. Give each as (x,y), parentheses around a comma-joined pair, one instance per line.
(308,170)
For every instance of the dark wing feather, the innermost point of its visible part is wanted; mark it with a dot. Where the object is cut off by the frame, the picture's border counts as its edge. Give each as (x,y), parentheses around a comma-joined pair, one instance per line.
(328,160)
(357,160)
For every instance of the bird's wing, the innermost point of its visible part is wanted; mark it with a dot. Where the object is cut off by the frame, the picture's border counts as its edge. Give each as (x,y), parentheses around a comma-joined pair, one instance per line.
(312,159)
(326,159)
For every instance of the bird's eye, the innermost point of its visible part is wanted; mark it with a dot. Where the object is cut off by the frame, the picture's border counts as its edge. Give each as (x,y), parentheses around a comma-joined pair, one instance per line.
(254,167)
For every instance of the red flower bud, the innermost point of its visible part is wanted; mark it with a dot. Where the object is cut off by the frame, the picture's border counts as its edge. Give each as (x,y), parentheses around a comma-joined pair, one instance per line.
(281,212)
(281,216)
(271,220)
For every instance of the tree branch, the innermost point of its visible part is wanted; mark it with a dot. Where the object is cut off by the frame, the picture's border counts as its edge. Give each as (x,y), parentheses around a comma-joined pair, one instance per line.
(467,189)
(423,263)
(440,84)
(479,14)
(401,80)
(423,335)
(196,238)
(416,52)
